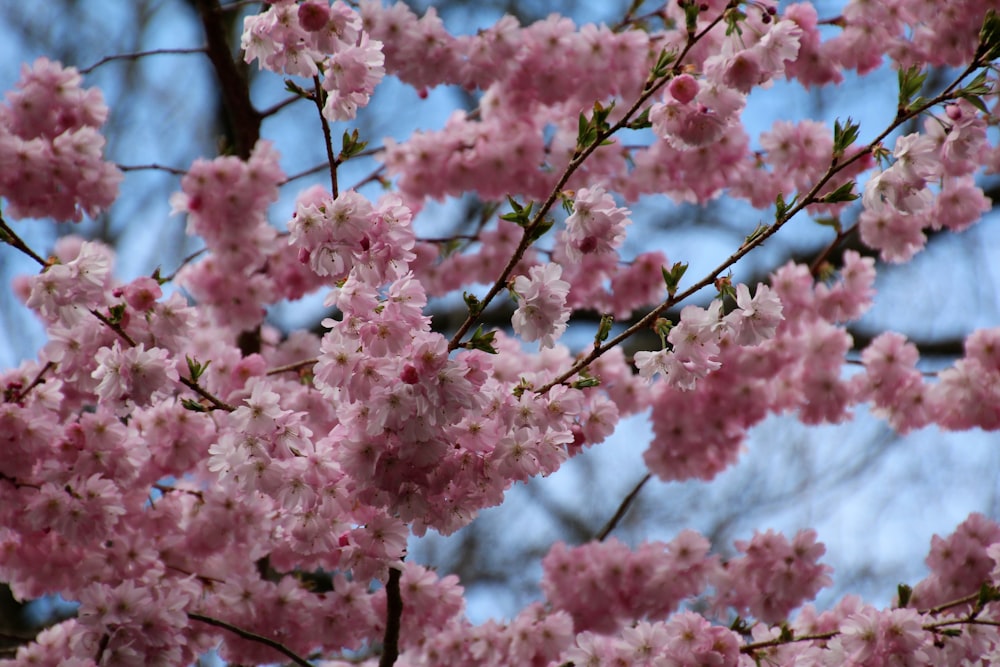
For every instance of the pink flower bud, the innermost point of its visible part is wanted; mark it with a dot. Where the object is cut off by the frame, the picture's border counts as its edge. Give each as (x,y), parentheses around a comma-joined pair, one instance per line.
(314,16)
(683,88)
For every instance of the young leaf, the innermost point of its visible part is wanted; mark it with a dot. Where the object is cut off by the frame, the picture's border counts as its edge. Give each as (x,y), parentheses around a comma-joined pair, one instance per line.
(844,193)
(911,80)
(903,592)
(844,135)
(604,329)
(586,382)
(672,278)
(989,38)
(481,341)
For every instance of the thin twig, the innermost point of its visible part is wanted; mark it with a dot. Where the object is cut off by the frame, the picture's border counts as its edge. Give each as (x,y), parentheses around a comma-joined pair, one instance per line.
(327,139)
(251,636)
(622,509)
(273,109)
(158,167)
(140,54)
(10,237)
(298,365)
(652,85)
(811,197)
(39,379)
(216,403)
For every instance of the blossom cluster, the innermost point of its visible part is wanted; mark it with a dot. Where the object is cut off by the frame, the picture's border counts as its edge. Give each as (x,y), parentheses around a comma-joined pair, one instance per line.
(51,149)
(182,468)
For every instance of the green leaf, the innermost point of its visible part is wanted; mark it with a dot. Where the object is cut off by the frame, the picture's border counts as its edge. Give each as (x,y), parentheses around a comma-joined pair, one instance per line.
(641,121)
(295,88)
(976,102)
(911,80)
(672,278)
(844,135)
(662,327)
(539,230)
(783,207)
(195,368)
(691,10)
(474,304)
(842,194)
(350,145)
(666,59)
(989,38)
(904,592)
(604,329)
(586,382)
(521,214)
(987,594)
(733,19)
(116,313)
(481,341)
(759,231)
(193,405)
(830,222)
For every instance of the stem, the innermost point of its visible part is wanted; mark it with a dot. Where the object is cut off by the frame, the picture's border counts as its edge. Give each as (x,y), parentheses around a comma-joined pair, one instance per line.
(327,139)
(252,636)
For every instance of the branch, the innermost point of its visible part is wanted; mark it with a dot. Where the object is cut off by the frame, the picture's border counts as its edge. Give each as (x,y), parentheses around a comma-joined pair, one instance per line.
(159,167)
(244,119)
(251,636)
(327,140)
(297,366)
(622,509)
(10,237)
(653,84)
(139,54)
(393,615)
(811,197)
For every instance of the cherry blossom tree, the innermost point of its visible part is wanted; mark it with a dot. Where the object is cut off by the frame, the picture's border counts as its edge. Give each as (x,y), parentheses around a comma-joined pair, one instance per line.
(197,480)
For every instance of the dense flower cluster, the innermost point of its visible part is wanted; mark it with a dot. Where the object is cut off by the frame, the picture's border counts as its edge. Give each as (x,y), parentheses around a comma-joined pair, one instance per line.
(198,480)
(51,149)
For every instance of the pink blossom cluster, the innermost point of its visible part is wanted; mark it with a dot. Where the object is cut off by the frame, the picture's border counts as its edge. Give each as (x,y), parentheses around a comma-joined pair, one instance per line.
(316,38)
(899,203)
(605,585)
(51,150)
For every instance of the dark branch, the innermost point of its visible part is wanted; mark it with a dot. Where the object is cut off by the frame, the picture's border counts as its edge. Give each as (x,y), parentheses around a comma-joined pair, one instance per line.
(251,636)
(393,615)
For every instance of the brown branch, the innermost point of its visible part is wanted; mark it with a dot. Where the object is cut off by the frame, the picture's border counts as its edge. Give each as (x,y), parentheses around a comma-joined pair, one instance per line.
(811,197)
(622,509)
(298,365)
(244,119)
(159,167)
(139,54)
(653,84)
(216,402)
(39,379)
(393,615)
(10,237)
(251,636)
(327,139)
